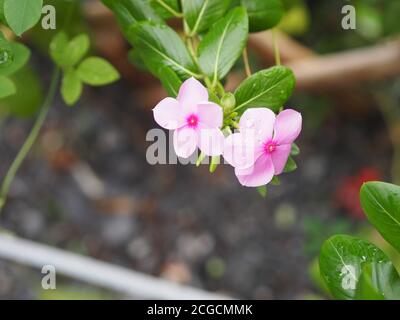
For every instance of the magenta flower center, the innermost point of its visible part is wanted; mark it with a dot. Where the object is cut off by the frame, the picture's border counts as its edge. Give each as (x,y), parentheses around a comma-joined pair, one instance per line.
(270,147)
(192,121)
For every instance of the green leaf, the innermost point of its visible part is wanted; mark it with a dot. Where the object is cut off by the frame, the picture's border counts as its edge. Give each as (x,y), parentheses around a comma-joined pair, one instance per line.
(7,87)
(343,259)
(67,53)
(76,49)
(58,47)
(20,56)
(2,18)
(224,44)
(263,14)
(166,8)
(29,97)
(295,151)
(128,12)
(269,88)
(97,72)
(71,87)
(365,288)
(262,191)
(22,15)
(381,204)
(290,165)
(159,45)
(276,181)
(200,15)
(170,81)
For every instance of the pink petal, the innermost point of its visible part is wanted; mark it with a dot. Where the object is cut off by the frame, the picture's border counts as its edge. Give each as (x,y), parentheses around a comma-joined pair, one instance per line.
(185,142)
(287,126)
(258,175)
(211,141)
(260,120)
(280,157)
(240,150)
(190,94)
(168,114)
(210,114)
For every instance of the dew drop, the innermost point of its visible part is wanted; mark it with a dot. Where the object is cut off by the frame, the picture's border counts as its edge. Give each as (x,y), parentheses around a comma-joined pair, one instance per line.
(6,57)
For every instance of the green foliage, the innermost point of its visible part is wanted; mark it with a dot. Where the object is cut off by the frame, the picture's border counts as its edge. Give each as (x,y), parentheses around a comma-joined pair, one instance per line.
(22,15)
(263,14)
(372,274)
(159,45)
(200,15)
(7,87)
(290,165)
(269,88)
(344,259)
(68,55)
(97,72)
(381,204)
(223,44)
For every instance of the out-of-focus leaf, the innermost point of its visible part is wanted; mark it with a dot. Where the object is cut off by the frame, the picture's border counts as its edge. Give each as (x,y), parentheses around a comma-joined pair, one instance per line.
(71,88)
(263,14)
(22,15)
(20,56)
(7,87)
(97,72)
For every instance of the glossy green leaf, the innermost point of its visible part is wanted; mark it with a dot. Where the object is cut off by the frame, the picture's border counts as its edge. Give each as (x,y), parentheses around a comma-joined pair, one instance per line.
(170,81)
(381,204)
(200,15)
(166,8)
(263,14)
(343,259)
(71,87)
(20,56)
(224,44)
(22,15)
(159,45)
(269,88)
(97,72)
(128,12)
(365,287)
(7,87)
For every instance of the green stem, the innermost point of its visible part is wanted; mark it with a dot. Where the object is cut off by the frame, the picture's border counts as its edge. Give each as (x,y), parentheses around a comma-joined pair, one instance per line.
(168,8)
(276,48)
(27,146)
(246,62)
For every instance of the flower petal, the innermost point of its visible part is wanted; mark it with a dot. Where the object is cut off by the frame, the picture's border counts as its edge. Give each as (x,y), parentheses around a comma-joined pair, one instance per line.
(168,114)
(185,142)
(190,94)
(280,157)
(258,175)
(210,114)
(260,120)
(240,150)
(287,126)
(211,141)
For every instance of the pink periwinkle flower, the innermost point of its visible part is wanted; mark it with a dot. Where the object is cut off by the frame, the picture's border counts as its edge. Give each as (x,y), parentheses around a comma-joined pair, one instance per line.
(195,120)
(261,149)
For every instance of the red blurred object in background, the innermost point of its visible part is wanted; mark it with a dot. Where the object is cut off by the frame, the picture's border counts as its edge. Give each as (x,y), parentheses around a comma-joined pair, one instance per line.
(347,194)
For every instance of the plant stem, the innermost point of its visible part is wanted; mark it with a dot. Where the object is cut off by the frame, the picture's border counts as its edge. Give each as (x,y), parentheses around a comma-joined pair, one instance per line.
(168,8)
(246,62)
(276,48)
(27,146)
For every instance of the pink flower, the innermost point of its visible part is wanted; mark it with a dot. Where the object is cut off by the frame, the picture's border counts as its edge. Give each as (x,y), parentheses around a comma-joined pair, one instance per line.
(261,149)
(196,121)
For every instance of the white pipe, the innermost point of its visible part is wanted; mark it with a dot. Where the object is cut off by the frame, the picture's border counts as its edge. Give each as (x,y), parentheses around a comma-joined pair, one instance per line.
(132,283)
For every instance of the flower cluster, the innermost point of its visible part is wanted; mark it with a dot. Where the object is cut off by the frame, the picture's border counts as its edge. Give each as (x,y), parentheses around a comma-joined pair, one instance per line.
(258,152)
